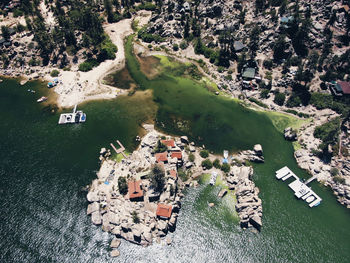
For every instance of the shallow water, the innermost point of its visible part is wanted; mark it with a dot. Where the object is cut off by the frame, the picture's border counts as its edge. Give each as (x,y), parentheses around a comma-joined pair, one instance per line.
(43,167)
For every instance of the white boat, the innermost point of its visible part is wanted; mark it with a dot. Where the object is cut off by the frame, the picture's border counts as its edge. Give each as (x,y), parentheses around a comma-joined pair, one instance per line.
(74,117)
(43,98)
(213,178)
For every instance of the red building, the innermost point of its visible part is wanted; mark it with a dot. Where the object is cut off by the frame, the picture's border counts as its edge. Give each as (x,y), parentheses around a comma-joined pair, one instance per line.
(135,191)
(164,211)
(169,143)
(161,157)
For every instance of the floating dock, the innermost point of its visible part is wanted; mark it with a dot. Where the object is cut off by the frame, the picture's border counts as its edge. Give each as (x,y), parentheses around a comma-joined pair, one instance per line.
(301,190)
(74,117)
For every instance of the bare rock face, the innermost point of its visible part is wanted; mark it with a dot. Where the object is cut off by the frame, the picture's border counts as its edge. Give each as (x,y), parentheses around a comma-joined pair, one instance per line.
(92,197)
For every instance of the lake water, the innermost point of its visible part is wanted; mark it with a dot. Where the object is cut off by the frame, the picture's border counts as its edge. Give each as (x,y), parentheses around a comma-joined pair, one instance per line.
(43,167)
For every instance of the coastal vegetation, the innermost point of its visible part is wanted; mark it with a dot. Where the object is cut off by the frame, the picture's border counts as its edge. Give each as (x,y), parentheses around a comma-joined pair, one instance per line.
(122,185)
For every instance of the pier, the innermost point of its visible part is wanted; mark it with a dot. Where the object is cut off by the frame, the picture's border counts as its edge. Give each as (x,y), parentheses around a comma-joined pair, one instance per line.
(120,150)
(301,190)
(74,117)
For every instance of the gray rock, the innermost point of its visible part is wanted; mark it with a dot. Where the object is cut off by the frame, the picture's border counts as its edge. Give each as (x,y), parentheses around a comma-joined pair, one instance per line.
(255,220)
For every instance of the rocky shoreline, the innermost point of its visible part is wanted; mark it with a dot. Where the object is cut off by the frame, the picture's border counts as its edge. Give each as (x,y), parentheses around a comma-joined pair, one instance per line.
(143,214)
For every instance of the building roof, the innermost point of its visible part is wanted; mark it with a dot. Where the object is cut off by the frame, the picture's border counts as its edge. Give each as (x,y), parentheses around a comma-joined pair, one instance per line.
(164,210)
(134,189)
(249,73)
(345,86)
(173,173)
(161,157)
(169,143)
(177,155)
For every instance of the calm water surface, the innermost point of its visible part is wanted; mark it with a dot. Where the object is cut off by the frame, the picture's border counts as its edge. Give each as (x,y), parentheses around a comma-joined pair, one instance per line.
(43,167)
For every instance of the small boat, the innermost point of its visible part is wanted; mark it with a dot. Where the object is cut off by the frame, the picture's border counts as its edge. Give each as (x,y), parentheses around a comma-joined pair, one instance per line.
(43,98)
(213,178)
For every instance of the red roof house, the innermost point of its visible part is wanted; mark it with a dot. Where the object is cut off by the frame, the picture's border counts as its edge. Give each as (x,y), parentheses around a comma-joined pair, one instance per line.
(135,191)
(173,174)
(168,143)
(164,211)
(177,155)
(161,157)
(345,86)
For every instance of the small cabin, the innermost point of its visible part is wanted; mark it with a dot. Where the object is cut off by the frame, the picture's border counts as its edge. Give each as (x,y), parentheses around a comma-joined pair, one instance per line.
(164,211)
(135,191)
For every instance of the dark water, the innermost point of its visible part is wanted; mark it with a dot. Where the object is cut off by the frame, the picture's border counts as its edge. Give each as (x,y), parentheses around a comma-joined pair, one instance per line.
(43,167)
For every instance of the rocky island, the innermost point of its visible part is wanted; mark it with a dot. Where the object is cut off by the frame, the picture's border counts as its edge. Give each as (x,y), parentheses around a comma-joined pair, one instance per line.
(138,198)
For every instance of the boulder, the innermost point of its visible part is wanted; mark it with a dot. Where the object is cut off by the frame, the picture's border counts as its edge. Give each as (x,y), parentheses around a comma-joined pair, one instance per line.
(96,218)
(211,204)
(222,193)
(255,220)
(93,208)
(92,196)
(168,241)
(258,149)
(115,253)
(115,243)
(184,139)
(162,226)
(290,134)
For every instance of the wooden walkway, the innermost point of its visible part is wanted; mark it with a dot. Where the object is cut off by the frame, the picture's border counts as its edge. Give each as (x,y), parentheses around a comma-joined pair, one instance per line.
(310,180)
(120,150)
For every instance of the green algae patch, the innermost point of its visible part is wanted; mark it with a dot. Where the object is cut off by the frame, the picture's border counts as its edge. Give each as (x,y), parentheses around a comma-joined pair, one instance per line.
(281,120)
(223,207)
(118,157)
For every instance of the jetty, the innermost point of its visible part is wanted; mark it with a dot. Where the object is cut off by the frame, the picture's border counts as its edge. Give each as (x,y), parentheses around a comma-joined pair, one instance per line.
(74,117)
(301,190)
(120,150)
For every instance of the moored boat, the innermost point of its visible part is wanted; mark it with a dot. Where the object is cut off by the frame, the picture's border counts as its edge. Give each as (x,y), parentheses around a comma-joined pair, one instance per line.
(43,98)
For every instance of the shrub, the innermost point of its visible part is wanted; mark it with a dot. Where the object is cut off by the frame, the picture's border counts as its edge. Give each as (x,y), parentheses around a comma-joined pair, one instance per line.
(334,171)
(183,176)
(191,157)
(268,63)
(157,178)
(207,164)
(54,73)
(88,64)
(293,101)
(183,45)
(279,98)
(339,179)
(135,217)
(264,94)
(258,102)
(204,153)
(160,148)
(328,132)
(122,185)
(225,167)
(175,47)
(217,164)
